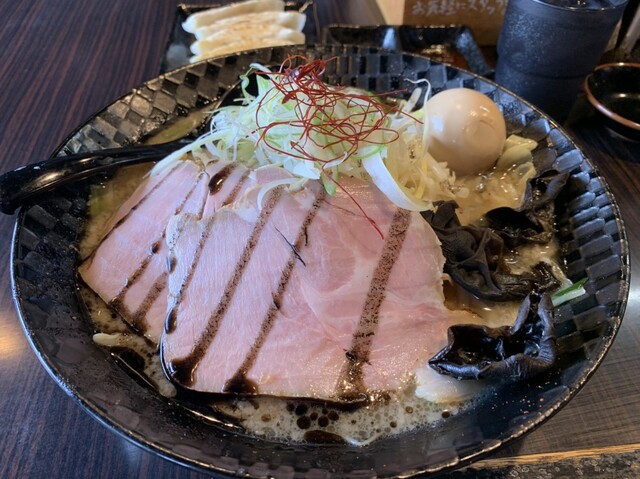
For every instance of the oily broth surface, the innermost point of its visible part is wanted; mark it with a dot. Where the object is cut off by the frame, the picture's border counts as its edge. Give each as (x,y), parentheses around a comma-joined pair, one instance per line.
(282,419)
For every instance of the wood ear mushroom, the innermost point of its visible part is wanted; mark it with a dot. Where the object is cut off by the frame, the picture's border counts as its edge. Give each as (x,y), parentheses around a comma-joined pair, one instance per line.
(507,353)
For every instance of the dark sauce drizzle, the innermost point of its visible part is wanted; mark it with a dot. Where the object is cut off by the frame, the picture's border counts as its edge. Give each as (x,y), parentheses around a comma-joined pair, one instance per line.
(218,179)
(137,318)
(239,383)
(236,189)
(170,321)
(350,384)
(183,370)
(133,208)
(171,263)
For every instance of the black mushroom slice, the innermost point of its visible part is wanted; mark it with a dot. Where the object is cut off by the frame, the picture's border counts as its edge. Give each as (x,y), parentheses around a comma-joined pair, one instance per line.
(533,221)
(508,353)
(475,259)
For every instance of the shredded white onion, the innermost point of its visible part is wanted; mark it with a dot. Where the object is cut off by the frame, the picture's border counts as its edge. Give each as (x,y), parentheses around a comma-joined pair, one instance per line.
(269,129)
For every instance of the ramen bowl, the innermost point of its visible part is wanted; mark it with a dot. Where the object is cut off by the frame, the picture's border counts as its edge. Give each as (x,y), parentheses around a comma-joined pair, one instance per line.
(103,382)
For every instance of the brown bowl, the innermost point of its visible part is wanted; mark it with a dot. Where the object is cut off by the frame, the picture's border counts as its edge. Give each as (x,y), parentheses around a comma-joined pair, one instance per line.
(614,90)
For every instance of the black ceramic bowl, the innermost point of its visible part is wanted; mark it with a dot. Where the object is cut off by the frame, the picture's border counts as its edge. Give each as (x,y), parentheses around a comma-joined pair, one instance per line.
(45,257)
(614,90)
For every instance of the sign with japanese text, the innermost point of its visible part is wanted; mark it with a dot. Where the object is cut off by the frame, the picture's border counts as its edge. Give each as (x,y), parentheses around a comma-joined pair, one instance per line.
(484,17)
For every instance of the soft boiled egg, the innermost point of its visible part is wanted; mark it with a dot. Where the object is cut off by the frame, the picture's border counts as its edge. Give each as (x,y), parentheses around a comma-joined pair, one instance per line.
(466,130)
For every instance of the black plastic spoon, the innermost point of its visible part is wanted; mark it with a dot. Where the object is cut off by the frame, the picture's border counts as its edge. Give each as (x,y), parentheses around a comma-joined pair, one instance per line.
(27,182)
(23,184)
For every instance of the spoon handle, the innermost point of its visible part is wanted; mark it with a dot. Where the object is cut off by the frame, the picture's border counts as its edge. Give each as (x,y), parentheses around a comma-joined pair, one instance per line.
(20,185)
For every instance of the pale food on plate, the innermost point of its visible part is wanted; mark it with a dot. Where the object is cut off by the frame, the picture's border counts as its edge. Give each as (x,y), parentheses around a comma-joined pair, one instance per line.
(243,26)
(212,49)
(235,33)
(215,14)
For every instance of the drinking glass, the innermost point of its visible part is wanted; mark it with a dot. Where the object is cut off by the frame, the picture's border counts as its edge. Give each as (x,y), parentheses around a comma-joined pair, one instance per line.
(547,47)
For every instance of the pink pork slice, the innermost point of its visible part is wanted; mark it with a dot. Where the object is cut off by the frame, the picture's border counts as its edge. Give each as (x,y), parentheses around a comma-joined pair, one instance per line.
(303,297)
(129,269)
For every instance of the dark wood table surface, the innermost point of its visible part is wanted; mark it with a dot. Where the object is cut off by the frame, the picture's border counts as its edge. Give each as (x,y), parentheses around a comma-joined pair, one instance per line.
(61,61)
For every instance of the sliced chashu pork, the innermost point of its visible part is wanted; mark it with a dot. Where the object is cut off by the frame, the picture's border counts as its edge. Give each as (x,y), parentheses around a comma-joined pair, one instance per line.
(302,297)
(129,269)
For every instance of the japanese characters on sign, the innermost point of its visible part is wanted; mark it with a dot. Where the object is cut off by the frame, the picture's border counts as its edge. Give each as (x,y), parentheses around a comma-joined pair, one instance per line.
(484,17)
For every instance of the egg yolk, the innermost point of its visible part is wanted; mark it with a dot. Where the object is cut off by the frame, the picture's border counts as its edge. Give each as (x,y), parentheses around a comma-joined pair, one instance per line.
(466,130)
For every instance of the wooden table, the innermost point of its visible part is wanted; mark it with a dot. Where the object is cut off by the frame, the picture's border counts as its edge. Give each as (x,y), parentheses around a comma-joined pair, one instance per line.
(62,61)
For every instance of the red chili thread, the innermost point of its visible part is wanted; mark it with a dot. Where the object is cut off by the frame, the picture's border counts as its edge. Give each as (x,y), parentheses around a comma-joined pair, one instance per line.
(315,104)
